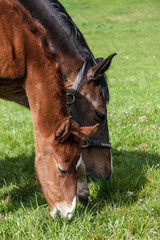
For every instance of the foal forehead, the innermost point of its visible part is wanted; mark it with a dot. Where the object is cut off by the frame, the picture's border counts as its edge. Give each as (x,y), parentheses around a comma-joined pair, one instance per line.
(67,153)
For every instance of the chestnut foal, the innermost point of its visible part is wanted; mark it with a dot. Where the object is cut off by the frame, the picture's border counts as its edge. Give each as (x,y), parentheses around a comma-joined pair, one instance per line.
(29,67)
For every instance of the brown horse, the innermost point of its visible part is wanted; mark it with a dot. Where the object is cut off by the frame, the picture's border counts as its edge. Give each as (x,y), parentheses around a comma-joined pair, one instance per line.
(29,67)
(87,83)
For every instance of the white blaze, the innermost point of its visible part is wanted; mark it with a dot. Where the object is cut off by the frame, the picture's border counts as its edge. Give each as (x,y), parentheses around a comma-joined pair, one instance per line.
(111,165)
(79,162)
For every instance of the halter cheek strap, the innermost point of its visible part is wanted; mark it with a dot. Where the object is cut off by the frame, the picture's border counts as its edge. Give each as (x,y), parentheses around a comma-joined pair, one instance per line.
(96,143)
(76,87)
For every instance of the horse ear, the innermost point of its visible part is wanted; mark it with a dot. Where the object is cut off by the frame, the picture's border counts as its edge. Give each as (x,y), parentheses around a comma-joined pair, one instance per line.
(100,59)
(99,69)
(82,133)
(64,130)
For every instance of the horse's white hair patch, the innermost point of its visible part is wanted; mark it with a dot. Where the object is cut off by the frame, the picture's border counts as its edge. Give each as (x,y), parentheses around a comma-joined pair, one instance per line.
(38,85)
(79,162)
(65,211)
(72,209)
(111,165)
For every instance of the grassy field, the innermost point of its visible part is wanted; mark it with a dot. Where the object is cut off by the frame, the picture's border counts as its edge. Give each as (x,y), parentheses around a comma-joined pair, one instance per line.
(127,207)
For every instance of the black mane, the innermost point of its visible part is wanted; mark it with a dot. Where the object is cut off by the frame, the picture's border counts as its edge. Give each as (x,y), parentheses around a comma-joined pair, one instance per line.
(64,33)
(72,32)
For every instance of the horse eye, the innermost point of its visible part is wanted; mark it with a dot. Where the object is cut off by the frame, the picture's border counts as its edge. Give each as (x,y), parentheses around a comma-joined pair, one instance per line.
(62,170)
(100,115)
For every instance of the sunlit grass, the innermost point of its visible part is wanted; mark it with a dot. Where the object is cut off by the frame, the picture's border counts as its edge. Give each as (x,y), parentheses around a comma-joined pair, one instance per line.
(127,207)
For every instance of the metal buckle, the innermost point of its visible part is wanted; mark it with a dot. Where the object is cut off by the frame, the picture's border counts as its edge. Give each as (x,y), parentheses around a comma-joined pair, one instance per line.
(86,144)
(73,98)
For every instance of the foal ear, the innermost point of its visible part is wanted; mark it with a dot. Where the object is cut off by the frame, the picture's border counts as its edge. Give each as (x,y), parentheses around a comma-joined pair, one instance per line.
(64,130)
(99,69)
(82,133)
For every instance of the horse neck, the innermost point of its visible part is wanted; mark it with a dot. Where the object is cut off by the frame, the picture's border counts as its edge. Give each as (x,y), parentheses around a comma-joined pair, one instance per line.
(67,38)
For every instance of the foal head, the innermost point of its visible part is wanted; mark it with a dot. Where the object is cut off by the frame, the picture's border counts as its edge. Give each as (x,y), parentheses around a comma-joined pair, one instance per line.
(58,167)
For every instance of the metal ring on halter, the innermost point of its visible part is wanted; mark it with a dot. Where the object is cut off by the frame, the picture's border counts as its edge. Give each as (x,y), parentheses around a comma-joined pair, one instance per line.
(73,98)
(86,144)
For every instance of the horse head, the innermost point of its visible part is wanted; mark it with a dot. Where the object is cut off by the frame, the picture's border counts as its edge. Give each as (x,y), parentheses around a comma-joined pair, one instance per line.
(90,104)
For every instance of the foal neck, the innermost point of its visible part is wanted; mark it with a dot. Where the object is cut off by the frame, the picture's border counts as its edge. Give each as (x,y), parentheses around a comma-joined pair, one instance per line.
(46,93)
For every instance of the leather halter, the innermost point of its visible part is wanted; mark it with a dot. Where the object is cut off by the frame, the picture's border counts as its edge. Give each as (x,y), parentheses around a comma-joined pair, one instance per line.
(76,87)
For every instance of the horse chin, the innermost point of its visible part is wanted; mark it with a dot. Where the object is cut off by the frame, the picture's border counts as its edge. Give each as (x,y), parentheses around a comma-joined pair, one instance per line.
(98,170)
(96,177)
(66,210)
(99,175)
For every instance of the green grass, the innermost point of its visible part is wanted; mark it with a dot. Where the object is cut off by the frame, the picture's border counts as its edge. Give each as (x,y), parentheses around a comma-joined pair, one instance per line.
(127,207)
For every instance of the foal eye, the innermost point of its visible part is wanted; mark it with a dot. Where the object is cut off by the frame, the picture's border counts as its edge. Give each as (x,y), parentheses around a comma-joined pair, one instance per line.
(100,115)
(62,170)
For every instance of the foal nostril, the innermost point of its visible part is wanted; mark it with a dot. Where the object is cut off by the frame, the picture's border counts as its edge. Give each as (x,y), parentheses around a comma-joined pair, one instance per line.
(69,215)
(83,201)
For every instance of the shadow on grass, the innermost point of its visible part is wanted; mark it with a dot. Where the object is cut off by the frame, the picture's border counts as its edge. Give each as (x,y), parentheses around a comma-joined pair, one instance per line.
(129,177)
(19,183)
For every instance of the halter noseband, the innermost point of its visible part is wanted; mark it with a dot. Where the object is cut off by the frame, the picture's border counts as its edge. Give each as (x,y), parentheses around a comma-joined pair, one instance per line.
(76,87)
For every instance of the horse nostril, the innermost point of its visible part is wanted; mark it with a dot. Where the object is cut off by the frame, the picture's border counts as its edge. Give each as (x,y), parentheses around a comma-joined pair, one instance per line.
(83,201)
(108,178)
